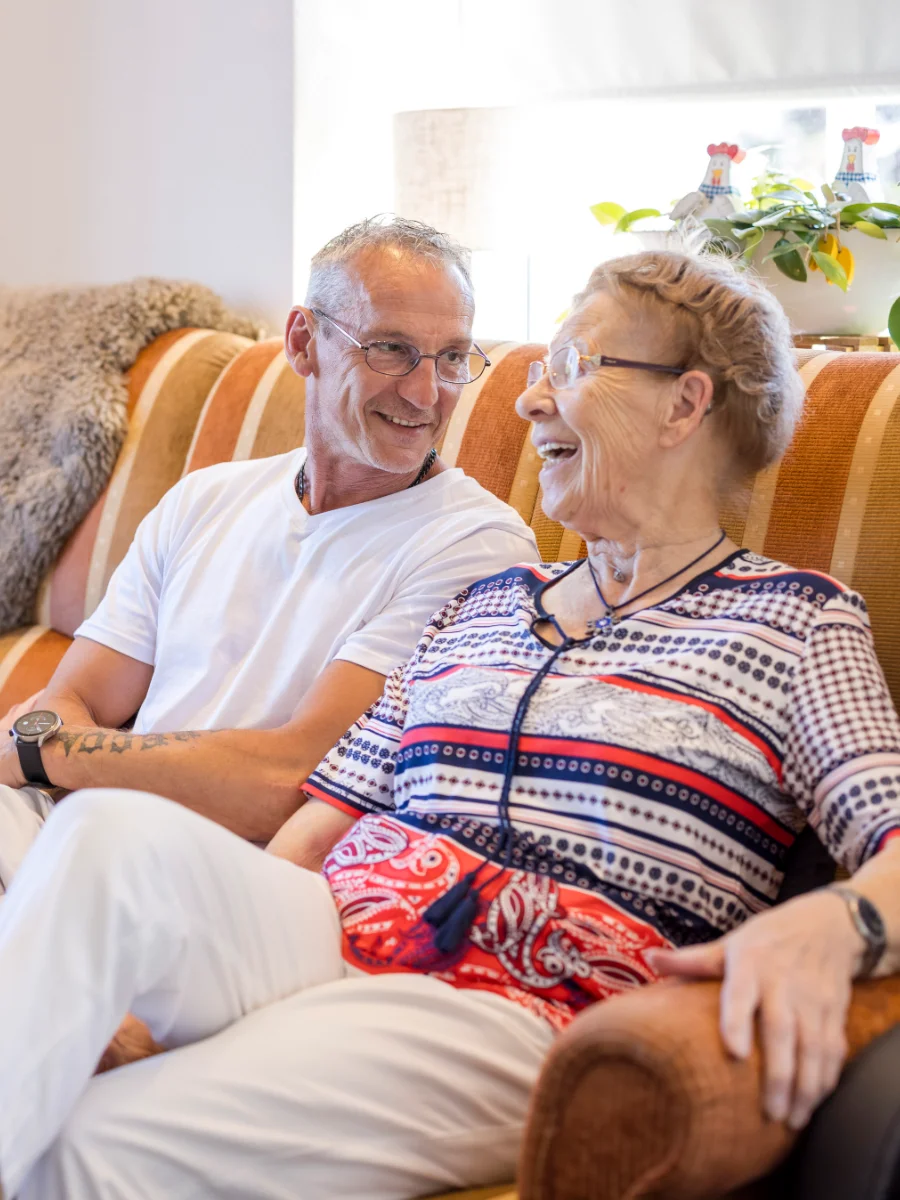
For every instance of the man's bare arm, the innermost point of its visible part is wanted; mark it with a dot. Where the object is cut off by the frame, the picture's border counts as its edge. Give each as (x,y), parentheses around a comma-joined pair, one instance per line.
(93,685)
(246,779)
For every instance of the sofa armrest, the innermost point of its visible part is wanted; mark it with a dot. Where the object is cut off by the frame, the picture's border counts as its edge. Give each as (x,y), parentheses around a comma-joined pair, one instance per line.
(638,1098)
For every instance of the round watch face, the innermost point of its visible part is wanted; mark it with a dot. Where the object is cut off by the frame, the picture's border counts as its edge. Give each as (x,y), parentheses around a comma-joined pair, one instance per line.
(33,724)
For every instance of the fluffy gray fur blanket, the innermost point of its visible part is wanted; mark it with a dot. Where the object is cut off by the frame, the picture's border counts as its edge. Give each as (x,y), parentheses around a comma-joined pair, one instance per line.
(62,408)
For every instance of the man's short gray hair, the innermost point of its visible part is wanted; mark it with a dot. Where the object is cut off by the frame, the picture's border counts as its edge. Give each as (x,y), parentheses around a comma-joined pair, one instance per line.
(328,277)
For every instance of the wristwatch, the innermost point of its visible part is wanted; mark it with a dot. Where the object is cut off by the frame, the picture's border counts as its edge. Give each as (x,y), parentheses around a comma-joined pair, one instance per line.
(30,732)
(868,924)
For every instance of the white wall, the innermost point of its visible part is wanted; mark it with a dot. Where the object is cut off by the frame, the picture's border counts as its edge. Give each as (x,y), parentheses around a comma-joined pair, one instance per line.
(149,137)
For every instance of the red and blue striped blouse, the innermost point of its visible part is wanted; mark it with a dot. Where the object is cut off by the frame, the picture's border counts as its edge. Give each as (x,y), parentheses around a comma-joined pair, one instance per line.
(665,768)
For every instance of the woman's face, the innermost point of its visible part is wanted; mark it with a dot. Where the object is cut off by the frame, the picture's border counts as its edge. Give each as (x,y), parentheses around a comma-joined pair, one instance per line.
(599,439)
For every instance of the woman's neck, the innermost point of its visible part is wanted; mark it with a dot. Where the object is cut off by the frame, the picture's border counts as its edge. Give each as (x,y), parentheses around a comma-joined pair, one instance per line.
(625,567)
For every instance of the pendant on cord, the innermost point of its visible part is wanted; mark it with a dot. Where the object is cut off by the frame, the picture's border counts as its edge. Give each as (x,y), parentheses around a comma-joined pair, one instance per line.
(604,623)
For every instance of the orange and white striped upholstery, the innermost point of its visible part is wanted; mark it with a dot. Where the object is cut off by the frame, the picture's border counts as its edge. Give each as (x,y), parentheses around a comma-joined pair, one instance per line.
(831,504)
(167,387)
(256,408)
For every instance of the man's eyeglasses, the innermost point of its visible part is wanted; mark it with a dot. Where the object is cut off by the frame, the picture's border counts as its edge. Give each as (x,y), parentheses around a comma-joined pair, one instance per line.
(565,367)
(398,358)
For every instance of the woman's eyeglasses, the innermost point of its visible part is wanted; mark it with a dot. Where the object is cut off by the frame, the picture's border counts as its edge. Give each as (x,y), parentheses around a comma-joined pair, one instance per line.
(565,367)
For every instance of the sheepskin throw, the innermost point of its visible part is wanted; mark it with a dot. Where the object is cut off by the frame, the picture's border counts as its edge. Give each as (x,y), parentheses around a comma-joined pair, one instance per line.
(63,408)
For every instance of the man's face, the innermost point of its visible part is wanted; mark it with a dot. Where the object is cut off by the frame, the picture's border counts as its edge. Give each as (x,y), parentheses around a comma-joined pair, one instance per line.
(355,411)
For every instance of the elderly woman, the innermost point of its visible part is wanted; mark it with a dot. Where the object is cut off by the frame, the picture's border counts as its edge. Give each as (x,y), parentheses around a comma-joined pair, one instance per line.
(589,775)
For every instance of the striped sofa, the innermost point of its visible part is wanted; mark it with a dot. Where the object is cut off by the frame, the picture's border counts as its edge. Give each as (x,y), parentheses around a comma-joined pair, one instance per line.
(197,397)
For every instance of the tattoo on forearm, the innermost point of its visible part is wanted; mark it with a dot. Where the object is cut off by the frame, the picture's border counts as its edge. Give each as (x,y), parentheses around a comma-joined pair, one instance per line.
(120,743)
(68,740)
(92,741)
(149,741)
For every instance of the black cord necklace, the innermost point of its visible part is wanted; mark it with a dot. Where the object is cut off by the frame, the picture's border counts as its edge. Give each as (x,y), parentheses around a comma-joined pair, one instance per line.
(430,460)
(611,616)
(453,914)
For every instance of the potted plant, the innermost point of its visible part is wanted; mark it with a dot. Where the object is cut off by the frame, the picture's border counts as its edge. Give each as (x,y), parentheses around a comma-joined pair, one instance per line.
(834,265)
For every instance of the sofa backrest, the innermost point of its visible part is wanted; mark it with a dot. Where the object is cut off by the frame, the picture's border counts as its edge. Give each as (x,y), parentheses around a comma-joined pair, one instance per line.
(832,504)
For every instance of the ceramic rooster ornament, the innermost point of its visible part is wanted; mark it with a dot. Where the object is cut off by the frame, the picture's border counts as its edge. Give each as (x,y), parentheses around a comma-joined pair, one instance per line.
(852,173)
(715,197)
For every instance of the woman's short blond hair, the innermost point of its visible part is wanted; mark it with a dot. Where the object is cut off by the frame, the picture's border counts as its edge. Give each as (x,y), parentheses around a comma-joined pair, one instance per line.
(704,314)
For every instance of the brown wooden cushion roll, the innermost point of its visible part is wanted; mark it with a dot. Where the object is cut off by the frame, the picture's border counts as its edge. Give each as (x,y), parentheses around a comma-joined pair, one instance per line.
(638,1099)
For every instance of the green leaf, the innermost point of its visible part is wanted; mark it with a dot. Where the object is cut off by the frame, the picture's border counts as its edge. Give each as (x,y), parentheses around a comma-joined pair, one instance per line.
(772,217)
(628,219)
(791,265)
(721,225)
(828,193)
(891,208)
(803,184)
(831,268)
(796,222)
(751,241)
(851,211)
(608,213)
(782,247)
(894,322)
(874,231)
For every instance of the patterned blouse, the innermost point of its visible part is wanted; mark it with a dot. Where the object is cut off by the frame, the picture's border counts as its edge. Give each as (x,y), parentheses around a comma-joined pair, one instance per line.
(664,770)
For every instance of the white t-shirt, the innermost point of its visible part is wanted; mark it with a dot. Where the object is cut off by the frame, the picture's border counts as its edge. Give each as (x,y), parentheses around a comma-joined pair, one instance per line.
(239,598)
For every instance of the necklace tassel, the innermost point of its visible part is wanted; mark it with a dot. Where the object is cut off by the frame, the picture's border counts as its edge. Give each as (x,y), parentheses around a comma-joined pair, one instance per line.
(455,928)
(442,908)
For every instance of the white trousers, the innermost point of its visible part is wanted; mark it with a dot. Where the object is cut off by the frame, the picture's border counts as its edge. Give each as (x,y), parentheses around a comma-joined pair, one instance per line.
(22,814)
(289,1078)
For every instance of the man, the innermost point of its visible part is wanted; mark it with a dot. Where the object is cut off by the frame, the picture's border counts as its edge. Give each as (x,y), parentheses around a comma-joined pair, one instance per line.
(263,603)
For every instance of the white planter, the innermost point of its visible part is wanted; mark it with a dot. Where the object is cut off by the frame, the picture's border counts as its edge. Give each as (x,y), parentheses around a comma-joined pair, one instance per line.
(815,306)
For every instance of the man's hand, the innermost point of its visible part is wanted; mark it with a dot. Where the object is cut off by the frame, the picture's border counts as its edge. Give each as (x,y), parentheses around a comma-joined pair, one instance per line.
(19,710)
(10,768)
(790,968)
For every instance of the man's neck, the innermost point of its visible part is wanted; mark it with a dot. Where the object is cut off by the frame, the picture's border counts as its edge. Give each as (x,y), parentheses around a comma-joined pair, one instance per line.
(331,482)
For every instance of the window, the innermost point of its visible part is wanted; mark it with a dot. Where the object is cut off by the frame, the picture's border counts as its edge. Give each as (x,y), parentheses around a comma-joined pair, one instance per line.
(521,180)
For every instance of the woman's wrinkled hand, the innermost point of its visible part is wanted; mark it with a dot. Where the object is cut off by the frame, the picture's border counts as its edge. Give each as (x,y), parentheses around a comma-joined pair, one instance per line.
(790,969)
(131,1043)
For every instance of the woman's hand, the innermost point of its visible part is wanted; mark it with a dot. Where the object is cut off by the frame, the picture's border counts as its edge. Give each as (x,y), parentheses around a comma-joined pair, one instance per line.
(792,967)
(131,1043)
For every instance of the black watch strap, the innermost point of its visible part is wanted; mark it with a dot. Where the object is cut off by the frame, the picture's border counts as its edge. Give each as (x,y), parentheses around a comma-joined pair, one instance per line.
(32,763)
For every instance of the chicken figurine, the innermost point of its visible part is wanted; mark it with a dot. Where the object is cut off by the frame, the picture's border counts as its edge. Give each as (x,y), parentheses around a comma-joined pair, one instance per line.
(852,173)
(715,197)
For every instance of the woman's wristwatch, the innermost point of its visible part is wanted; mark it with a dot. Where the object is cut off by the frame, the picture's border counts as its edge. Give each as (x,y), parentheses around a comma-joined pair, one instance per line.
(30,732)
(868,924)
